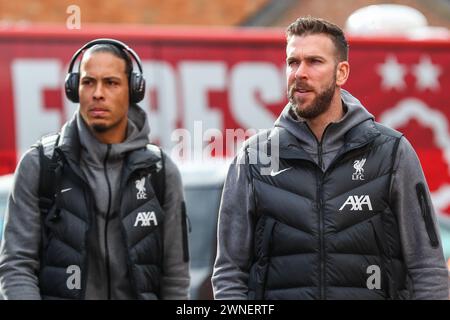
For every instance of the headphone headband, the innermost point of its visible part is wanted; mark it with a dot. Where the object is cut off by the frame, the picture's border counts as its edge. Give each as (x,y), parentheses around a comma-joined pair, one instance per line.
(116,43)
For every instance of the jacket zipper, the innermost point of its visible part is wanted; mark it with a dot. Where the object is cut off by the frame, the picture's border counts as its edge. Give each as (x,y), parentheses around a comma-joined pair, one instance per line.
(321,225)
(426,214)
(184,230)
(320,209)
(319,145)
(107,266)
(319,154)
(321,239)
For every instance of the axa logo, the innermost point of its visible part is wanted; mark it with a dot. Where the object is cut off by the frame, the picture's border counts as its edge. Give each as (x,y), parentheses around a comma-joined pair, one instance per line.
(146,219)
(359,173)
(357,203)
(140,186)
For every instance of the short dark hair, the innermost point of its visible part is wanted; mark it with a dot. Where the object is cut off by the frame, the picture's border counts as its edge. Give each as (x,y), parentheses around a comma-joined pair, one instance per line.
(309,25)
(115,51)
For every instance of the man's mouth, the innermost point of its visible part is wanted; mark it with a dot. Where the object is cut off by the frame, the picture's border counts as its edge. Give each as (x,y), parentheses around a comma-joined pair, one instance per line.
(98,111)
(300,91)
(302,88)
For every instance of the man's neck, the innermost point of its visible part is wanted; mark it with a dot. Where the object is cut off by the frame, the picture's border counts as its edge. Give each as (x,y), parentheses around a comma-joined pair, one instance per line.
(333,114)
(108,139)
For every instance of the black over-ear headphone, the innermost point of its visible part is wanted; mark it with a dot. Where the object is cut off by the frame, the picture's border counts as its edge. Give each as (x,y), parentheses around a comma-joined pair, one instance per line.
(136,81)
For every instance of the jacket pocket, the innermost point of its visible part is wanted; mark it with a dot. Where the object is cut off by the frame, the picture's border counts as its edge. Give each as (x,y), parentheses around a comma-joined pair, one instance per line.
(426,214)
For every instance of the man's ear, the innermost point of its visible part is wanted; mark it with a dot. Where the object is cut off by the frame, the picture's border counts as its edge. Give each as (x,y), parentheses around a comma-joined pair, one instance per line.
(342,72)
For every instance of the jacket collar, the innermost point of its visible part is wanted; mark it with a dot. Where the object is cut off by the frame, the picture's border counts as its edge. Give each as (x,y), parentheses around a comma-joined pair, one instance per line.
(356,137)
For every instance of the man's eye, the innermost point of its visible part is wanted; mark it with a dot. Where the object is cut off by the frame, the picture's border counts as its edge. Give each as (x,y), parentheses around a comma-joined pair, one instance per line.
(86,82)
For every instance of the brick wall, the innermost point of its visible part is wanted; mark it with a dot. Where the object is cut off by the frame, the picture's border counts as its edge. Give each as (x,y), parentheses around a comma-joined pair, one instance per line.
(173,12)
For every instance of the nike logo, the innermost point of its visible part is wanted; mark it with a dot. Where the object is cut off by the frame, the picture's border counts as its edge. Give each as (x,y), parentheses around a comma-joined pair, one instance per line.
(275,173)
(64,190)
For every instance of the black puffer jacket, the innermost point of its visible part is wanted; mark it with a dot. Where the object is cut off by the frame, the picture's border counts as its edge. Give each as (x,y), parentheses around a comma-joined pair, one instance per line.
(319,235)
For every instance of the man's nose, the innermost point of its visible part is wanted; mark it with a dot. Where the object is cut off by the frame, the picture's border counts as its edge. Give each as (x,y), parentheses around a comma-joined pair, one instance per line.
(98,93)
(301,72)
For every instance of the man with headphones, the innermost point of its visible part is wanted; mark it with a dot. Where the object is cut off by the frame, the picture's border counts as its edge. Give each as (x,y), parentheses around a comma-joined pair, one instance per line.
(96,211)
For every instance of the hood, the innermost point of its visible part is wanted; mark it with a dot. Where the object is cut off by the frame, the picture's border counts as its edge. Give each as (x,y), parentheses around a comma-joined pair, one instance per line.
(94,151)
(333,138)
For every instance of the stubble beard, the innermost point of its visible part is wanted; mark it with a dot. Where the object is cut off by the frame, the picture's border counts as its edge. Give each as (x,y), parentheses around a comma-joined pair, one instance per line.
(102,128)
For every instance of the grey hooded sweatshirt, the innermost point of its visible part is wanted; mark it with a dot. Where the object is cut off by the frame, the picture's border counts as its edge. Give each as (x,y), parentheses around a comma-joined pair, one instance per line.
(425,264)
(19,255)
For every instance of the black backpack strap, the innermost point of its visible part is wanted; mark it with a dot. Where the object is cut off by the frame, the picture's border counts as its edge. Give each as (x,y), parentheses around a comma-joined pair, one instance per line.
(50,172)
(158,178)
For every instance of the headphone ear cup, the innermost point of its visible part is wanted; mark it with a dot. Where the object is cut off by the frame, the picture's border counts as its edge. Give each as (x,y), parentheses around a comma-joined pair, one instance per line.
(71,86)
(137,87)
